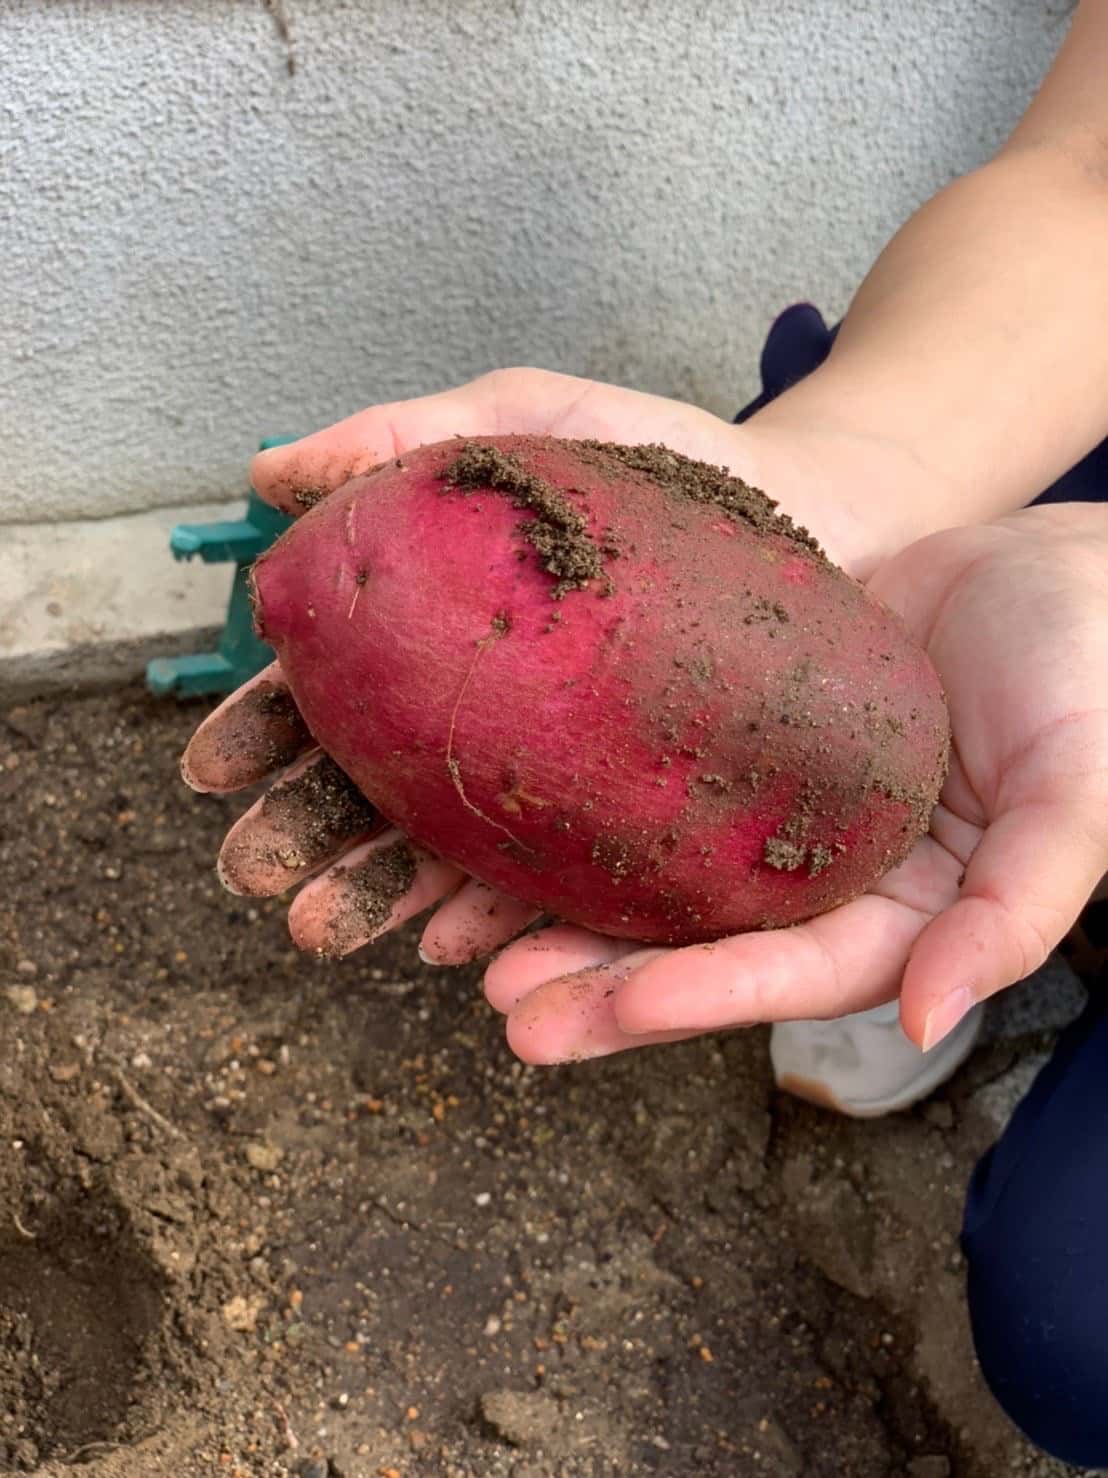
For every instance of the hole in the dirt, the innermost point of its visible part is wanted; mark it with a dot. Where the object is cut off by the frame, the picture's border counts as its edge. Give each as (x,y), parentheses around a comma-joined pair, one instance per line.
(78,1303)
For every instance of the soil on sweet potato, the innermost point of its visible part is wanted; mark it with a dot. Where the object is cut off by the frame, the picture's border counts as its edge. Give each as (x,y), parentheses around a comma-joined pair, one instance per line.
(700,482)
(262,1214)
(559,531)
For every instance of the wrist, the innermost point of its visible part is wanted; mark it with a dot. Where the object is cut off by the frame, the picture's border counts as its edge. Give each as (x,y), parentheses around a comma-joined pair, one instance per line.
(863,502)
(863,495)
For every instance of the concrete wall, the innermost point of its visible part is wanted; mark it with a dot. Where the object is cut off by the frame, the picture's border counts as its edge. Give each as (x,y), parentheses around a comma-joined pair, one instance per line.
(199,247)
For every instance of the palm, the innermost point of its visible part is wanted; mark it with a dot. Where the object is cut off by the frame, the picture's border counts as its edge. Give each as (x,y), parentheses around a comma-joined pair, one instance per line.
(1015,617)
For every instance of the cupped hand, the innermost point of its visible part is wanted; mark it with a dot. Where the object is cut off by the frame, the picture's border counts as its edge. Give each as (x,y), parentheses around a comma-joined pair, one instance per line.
(312,830)
(1014,615)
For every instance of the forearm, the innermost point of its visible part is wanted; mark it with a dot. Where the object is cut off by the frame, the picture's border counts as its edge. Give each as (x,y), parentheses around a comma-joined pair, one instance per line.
(972,368)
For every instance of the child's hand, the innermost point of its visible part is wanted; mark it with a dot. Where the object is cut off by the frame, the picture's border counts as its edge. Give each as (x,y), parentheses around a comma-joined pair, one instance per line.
(1000,609)
(257,731)
(310,818)
(1015,617)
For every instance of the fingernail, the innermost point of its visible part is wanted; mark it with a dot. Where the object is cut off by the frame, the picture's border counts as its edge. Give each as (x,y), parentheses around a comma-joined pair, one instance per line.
(225,880)
(186,773)
(424,956)
(943,1018)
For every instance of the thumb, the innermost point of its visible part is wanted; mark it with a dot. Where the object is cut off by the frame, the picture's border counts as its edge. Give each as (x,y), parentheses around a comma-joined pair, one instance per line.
(295,477)
(520,401)
(1033,872)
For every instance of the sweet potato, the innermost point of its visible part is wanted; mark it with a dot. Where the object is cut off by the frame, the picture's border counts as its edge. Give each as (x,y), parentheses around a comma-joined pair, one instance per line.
(610,681)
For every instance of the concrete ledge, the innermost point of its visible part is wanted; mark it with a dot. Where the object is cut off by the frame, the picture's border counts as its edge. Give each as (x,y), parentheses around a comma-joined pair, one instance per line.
(88,603)
(85,669)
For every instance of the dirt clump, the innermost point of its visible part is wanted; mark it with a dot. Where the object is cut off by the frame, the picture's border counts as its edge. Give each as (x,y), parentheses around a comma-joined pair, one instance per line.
(559,532)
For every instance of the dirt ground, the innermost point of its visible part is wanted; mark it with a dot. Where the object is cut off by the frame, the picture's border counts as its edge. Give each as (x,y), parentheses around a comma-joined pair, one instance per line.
(265,1215)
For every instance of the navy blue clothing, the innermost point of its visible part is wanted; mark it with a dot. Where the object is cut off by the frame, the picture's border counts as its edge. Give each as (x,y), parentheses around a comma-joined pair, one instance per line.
(1036,1222)
(1036,1243)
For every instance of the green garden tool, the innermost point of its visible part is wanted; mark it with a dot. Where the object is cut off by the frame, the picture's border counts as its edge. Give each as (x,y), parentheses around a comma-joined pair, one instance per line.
(240,654)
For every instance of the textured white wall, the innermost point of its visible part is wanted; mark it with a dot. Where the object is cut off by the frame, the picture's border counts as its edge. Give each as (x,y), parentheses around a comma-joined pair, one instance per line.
(197,248)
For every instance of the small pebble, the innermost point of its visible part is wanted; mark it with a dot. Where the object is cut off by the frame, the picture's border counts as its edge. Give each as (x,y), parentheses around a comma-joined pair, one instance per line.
(939,1114)
(241,1314)
(482,1198)
(26,967)
(23,997)
(263,1156)
(521,1418)
(929,1467)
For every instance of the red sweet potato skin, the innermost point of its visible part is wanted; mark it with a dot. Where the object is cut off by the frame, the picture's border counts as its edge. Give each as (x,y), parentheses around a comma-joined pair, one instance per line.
(718,731)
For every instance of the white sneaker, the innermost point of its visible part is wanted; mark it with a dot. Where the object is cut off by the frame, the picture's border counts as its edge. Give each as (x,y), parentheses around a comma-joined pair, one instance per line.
(864,1065)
